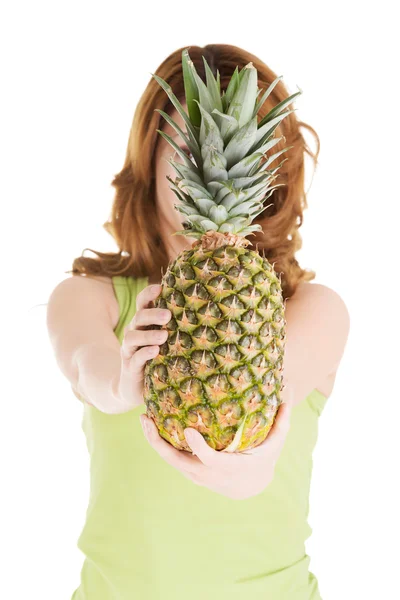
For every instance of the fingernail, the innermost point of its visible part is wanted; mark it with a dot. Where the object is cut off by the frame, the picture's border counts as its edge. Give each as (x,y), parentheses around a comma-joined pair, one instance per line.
(156,287)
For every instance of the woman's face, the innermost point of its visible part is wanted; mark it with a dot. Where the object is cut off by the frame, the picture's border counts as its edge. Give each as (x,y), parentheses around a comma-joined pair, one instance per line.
(171,220)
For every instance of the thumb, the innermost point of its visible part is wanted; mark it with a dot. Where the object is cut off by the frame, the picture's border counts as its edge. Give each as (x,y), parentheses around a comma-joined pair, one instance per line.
(194,439)
(199,446)
(280,428)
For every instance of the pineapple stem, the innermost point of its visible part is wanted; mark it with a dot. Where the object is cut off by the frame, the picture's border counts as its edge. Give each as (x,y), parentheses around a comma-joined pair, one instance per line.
(215,239)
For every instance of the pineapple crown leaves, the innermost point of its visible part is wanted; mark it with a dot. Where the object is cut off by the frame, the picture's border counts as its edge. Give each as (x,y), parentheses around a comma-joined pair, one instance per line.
(227,180)
(179,150)
(191,143)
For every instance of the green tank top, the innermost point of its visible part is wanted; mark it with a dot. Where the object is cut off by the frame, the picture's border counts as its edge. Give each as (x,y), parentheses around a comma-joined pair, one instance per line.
(152,534)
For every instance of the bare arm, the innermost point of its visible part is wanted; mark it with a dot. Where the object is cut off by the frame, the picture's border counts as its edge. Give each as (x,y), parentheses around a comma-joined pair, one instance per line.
(103,372)
(317,329)
(85,345)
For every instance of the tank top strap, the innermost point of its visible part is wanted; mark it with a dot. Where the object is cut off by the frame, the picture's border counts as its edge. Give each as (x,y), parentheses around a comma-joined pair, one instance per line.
(317,400)
(126,290)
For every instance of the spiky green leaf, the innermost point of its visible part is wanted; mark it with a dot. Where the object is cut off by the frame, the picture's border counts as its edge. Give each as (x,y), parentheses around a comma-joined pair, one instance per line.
(218,214)
(276,120)
(265,95)
(243,208)
(210,135)
(242,104)
(196,190)
(179,151)
(237,197)
(241,142)
(182,197)
(191,91)
(226,228)
(227,125)
(232,199)
(264,166)
(189,232)
(212,86)
(223,191)
(206,225)
(204,205)
(243,167)
(215,186)
(167,88)
(185,209)
(274,156)
(205,98)
(185,172)
(191,143)
(249,230)
(214,166)
(231,89)
(279,107)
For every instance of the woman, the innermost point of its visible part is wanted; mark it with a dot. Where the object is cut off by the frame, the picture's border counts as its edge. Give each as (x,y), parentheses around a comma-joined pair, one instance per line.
(163,523)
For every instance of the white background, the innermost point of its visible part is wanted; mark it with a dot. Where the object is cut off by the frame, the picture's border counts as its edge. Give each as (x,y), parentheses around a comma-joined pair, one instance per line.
(72,74)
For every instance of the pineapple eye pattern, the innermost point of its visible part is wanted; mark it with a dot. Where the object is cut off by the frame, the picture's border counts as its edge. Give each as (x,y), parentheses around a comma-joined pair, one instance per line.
(196,366)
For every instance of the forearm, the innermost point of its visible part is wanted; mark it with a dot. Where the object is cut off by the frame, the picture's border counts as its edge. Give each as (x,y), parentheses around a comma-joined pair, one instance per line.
(97,373)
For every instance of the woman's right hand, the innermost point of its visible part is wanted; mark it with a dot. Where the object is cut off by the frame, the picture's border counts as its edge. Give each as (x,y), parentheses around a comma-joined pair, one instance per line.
(139,345)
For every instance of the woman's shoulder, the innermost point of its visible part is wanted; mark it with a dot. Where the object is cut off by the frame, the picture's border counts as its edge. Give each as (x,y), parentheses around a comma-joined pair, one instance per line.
(318,324)
(322,296)
(307,287)
(108,292)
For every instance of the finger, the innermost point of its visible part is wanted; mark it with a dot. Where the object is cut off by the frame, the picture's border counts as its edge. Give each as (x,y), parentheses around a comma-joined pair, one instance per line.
(146,296)
(135,339)
(207,455)
(139,359)
(287,393)
(177,458)
(149,316)
(276,437)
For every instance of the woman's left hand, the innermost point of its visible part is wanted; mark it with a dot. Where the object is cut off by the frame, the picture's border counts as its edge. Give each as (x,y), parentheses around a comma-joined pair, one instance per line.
(237,475)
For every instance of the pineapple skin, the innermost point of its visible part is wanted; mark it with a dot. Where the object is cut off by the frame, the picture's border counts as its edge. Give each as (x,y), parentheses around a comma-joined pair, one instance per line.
(220,370)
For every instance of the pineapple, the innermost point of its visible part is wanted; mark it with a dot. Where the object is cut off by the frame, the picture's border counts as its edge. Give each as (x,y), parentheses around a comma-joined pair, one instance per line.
(220,370)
